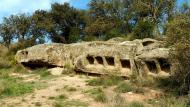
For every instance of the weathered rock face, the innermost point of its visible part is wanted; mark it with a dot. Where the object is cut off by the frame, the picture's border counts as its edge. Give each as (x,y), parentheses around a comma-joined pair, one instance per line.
(121,57)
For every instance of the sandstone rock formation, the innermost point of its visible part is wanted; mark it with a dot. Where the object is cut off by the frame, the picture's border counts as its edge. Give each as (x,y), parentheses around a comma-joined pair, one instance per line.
(117,56)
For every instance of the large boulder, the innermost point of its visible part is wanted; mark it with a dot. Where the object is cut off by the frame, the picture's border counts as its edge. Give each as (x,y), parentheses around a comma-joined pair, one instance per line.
(114,56)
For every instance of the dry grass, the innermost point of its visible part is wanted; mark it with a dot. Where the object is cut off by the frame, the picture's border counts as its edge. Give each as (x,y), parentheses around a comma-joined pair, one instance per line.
(105,81)
(98,94)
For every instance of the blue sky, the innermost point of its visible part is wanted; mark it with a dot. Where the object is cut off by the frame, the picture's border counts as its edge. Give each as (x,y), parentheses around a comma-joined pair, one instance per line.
(8,7)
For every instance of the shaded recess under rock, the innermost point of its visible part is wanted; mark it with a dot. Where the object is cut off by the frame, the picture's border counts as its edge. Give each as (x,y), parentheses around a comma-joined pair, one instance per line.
(145,57)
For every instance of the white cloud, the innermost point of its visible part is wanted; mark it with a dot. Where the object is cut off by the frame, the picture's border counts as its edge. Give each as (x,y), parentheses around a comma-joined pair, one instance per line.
(8,7)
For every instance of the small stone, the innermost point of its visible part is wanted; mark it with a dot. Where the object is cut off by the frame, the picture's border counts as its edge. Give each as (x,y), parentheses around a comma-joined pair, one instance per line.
(130,93)
(56,71)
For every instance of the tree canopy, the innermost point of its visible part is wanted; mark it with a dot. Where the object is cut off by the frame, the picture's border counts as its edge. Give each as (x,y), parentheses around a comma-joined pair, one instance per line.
(104,19)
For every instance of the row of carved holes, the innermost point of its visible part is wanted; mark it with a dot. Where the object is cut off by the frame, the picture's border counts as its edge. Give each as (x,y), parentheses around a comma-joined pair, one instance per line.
(110,61)
(164,64)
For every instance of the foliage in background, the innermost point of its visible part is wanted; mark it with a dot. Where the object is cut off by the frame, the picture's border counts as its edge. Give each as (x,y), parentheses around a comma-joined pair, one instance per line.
(103,20)
(178,38)
(62,24)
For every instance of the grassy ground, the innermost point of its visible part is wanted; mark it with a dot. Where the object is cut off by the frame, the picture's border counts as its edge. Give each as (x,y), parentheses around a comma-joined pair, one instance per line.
(12,86)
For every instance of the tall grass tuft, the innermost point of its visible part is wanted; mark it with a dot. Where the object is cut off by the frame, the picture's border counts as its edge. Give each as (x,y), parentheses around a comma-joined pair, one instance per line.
(124,87)
(98,94)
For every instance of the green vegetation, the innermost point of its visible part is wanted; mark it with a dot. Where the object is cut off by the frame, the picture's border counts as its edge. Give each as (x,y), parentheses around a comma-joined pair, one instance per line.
(71,89)
(178,34)
(171,101)
(38,104)
(72,103)
(136,104)
(146,81)
(16,89)
(12,86)
(44,73)
(62,97)
(124,87)
(117,101)
(8,62)
(63,101)
(51,98)
(103,20)
(98,94)
(105,81)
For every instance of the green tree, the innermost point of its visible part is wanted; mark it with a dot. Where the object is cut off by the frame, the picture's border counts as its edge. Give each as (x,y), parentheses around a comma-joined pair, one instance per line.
(18,28)
(62,24)
(6,34)
(104,16)
(142,18)
(155,13)
(21,26)
(178,38)
(42,25)
(143,30)
(64,18)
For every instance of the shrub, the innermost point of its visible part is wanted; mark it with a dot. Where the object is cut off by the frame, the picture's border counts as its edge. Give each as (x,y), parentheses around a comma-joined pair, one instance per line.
(105,81)
(72,103)
(171,101)
(4,63)
(124,87)
(71,89)
(5,60)
(62,96)
(98,94)
(136,104)
(147,81)
(178,38)
(117,101)
(38,104)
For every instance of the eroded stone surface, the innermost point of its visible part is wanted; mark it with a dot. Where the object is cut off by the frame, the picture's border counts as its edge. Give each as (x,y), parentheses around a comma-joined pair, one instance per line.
(56,71)
(117,56)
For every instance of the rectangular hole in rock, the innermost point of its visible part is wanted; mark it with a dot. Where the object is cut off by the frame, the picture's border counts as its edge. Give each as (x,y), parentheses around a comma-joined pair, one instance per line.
(99,60)
(125,63)
(110,61)
(90,59)
(164,64)
(151,66)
